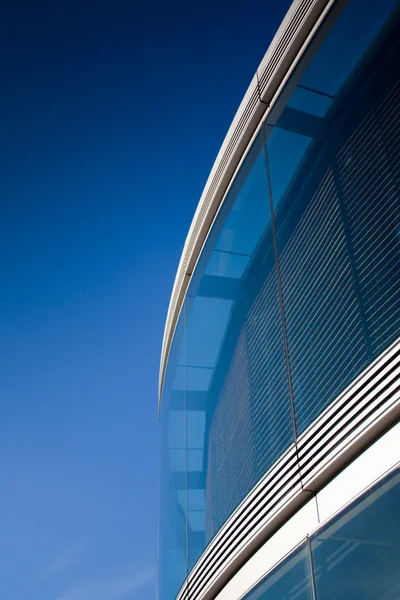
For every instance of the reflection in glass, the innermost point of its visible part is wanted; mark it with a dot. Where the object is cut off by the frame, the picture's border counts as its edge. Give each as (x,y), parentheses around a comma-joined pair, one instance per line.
(205,328)
(232,312)
(172,565)
(357,556)
(310,101)
(346,44)
(227,264)
(289,580)
(329,159)
(248,216)
(286,151)
(339,252)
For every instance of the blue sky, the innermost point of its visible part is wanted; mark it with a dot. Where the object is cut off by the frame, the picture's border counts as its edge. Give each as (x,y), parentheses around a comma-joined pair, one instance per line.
(112,115)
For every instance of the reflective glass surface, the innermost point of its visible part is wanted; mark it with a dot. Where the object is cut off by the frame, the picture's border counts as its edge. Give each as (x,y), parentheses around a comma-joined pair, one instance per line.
(297,288)
(290,579)
(227,384)
(172,563)
(346,45)
(234,334)
(334,181)
(357,556)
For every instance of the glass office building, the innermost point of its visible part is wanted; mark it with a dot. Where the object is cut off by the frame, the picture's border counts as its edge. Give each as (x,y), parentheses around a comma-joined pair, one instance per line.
(279,395)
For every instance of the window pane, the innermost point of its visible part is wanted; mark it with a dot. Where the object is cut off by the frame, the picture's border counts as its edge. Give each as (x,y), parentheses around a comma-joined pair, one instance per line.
(227,264)
(286,151)
(234,334)
(172,486)
(206,329)
(290,580)
(310,101)
(346,44)
(331,165)
(357,556)
(242,227)
(335,184)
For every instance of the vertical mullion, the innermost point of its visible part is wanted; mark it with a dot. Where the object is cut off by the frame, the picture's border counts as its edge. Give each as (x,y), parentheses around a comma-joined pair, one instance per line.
(311,565)
(280,291)
(186,451)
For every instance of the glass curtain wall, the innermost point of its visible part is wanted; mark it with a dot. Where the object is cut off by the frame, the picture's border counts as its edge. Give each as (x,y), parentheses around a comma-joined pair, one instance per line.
(355,556)
(297,289)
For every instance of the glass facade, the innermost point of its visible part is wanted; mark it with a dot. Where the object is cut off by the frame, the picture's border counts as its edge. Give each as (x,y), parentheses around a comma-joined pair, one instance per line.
(292,579)
(296,291)
(355,556)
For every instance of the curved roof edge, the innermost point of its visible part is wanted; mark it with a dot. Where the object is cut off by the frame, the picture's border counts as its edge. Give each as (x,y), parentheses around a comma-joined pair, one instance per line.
(274,67)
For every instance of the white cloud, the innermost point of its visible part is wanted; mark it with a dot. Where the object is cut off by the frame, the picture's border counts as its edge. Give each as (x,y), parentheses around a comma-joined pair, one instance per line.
(114,588)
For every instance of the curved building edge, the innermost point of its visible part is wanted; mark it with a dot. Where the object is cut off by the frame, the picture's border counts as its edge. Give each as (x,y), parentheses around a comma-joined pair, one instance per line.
(342,438)
(353,486)
(329,447)
(280,59)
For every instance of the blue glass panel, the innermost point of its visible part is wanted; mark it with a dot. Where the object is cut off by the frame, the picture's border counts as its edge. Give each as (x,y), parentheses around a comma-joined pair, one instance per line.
(195,459)
(205,341)
(234,334)
(309,101)
(176,428)
(196,500)
(346,44)
(333,169)
(196,521)
(337,197)
(177,459)
(227,264)
(192,378)
(286,151)
(291,579)
(196,423)
(172,567)
(357,556)
(243,228)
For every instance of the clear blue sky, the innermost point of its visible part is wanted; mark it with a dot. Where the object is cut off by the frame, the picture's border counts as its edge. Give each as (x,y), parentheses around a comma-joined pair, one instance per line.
(112,114)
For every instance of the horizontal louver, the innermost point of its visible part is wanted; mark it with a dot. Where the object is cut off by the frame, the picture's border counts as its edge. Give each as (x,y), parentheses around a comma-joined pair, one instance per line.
(231,472)
(369,178)
(323,324)
(271,417)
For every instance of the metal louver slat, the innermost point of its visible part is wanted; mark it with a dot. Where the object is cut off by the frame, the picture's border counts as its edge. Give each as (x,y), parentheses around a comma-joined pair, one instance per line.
(352,422)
